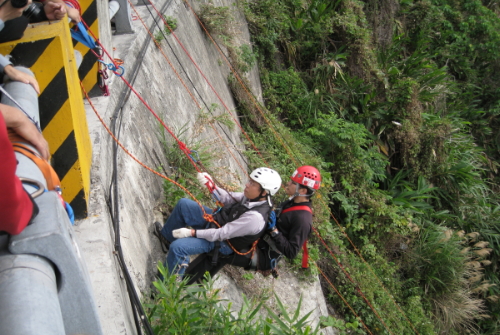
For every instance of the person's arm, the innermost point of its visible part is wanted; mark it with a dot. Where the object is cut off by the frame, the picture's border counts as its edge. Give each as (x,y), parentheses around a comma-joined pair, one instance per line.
(16,207)
(4,61)
(227,198)
(18,122)
(250,223)
(300,228)
(73,14)
(16,75)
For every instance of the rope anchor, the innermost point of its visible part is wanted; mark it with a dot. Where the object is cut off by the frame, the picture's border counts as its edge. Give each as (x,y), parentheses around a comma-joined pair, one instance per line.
(118,71)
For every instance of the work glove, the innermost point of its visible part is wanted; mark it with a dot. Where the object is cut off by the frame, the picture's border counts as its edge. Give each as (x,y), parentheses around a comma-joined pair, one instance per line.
(271,223)
(206,180)
(181,233)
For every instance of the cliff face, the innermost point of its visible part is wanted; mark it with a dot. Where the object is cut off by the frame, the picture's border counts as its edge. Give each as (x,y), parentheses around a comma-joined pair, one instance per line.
(127,192)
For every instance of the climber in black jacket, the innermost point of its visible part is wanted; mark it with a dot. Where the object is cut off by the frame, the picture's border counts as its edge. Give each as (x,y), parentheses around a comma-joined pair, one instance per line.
(294,216)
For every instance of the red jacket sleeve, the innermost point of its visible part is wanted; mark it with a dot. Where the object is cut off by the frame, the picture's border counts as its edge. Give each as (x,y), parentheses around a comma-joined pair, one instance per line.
(16,207)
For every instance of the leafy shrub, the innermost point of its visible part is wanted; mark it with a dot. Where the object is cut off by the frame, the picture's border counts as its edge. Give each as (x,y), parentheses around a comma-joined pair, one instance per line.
(171,24)
(216,19)
(178,308)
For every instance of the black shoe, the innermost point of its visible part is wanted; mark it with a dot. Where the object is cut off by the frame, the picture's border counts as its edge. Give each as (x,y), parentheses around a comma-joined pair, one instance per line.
(164,242)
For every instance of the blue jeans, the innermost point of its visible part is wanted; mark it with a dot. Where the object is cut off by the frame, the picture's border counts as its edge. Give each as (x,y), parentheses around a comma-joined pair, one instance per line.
(187,213)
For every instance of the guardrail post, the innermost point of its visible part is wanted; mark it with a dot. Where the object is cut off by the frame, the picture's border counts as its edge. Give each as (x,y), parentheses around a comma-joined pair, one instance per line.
(122,19)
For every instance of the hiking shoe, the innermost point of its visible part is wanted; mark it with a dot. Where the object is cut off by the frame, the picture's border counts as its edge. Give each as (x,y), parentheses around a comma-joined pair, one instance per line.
(164,242)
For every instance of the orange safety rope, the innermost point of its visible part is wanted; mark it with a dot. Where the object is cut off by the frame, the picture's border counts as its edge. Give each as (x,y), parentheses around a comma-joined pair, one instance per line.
(341,297)
(206,216)
(132,156)
(356,285)
(371,270)
(236,75)
(182,146)
(253,247)
(257,105)
(187,89)
(204,77)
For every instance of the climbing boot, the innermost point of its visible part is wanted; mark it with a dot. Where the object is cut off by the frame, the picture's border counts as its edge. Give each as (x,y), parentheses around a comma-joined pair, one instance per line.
(165,244)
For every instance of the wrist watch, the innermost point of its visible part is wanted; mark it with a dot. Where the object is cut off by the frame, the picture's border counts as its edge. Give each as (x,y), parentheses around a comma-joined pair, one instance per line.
(274,233)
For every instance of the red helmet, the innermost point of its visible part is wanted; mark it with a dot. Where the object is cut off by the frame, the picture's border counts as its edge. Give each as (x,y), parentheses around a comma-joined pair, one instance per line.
(307,176)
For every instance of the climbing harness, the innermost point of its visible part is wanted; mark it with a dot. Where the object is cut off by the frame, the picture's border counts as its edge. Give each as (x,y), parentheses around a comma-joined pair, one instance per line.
(305,255)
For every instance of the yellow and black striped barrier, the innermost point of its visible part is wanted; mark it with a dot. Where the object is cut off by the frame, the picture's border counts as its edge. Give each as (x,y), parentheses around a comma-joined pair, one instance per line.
(88,70)
(47,49)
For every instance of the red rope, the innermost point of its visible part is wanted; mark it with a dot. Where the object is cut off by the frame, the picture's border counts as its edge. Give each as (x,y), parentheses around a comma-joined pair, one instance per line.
(114,61)
(206,79)
(345,301)
(75,4)
(356,285)
(135,158)
(198,105)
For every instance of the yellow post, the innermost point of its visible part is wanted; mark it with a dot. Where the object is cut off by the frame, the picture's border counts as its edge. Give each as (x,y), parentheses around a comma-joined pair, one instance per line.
(47,49)
(88,70)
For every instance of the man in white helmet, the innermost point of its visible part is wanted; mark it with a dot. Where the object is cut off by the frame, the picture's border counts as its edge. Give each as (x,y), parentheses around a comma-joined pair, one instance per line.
(242,220)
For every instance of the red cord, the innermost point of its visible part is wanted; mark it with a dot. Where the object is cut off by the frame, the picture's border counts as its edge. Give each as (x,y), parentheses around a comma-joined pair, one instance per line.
(74,4)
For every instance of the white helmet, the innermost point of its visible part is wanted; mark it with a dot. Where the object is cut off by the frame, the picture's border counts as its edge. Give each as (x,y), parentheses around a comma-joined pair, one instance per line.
(269,179)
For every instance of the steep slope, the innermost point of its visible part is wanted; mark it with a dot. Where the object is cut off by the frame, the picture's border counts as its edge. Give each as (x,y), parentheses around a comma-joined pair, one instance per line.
(124,193)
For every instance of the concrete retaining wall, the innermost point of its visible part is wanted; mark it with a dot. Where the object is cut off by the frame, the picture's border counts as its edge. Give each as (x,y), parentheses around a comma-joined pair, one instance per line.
(140,191)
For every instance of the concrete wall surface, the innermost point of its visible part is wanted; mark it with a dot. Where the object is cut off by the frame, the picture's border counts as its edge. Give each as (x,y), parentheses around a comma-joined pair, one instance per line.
(139,191)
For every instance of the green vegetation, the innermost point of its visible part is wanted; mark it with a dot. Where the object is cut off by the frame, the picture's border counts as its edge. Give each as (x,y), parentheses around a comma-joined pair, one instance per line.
(398,104)
(181,309)
(167,29)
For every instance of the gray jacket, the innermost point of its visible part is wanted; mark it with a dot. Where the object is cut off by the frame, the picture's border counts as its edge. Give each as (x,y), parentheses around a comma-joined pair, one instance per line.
(249,223)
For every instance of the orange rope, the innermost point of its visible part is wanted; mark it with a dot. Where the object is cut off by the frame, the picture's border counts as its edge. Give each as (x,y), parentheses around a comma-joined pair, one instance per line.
(206,216)
(187,89)
(369,267)
(135,158)
(236,75)
(356,285)
(204,77)
(345,301)
(257,105)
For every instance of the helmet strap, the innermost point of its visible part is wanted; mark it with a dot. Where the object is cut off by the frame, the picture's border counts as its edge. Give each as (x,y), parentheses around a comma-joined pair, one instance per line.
(297,194)
(297,188)
(261,195)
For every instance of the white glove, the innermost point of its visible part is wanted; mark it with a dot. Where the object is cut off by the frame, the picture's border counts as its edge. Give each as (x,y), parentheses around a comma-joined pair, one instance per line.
(181,233)
(203,178)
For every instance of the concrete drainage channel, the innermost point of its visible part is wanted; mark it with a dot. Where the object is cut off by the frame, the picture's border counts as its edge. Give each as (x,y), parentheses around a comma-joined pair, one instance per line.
(140,191)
